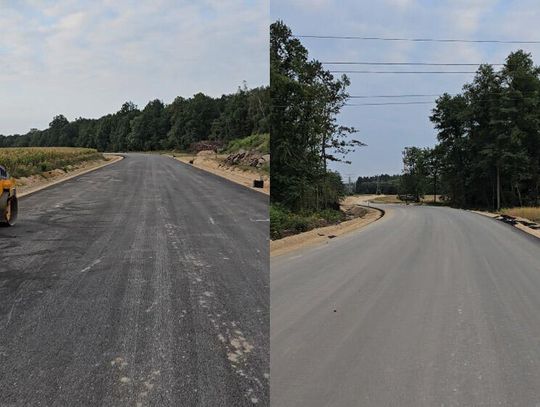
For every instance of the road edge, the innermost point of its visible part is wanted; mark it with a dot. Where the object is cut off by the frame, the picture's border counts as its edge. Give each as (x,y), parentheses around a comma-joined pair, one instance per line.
(219,174)
(519,226)
(118,158)
(314,237)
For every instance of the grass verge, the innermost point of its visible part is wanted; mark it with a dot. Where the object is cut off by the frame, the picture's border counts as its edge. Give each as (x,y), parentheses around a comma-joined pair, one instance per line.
(285,223)
(27,161)
(256,142)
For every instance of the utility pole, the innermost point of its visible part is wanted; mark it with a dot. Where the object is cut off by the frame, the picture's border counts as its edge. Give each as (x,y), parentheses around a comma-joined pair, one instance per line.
(350,186)
(378,192)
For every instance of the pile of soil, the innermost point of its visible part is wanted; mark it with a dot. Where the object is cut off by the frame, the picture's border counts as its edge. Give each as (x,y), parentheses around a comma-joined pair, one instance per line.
(212,145)
(354,212)
(203,153)
(248,158)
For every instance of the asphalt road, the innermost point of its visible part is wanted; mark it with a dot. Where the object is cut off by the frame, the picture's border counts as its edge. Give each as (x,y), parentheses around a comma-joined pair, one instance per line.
(425,307)
(144,283)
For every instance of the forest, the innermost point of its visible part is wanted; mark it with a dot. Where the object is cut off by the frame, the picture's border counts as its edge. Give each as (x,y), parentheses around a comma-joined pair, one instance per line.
(487,153)
(158,126)
(378,184)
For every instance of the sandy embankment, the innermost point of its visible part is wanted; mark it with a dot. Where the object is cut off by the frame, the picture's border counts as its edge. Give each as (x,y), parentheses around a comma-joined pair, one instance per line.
(34,183)
(213,163)
(324,234)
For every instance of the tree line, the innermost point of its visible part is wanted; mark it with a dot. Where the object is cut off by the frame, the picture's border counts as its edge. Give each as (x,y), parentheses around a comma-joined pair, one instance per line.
(158,126)
(378,184)
(488,141)
(306,99)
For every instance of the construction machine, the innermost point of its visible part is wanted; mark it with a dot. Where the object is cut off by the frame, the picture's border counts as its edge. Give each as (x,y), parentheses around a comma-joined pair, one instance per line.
(9,205)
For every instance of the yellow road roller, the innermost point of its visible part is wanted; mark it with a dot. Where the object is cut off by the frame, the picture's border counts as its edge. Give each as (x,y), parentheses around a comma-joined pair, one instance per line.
(9,206)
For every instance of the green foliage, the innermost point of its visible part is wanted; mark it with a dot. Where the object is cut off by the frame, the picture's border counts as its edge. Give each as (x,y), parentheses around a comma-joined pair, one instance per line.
(255,142)
(158,126)
(488,151)
(306,99)
(415,172)
(283,222)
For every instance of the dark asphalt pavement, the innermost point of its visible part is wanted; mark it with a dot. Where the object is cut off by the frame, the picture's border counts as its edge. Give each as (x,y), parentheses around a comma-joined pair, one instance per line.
(144,283)
(426,307)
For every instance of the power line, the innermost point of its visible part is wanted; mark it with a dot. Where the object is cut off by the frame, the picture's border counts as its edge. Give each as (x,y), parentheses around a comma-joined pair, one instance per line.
(389,103)
(418,102)
(392,96)
(406,63)
(405,72)
(423,102)
(413,95)
(339,37)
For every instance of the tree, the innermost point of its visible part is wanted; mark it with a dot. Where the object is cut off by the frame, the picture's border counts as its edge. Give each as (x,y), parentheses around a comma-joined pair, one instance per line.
(158,126)
(433,164)
(489,137)
(305,136)
(415,172)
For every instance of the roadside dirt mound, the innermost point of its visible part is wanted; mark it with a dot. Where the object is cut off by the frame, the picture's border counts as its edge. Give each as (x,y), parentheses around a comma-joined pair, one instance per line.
(204,153)
(354,212)
(248,158)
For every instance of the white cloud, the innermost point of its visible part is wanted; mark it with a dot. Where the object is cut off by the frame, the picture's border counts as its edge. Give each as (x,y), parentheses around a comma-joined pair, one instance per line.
(85,59)
(402,4)
(387,129)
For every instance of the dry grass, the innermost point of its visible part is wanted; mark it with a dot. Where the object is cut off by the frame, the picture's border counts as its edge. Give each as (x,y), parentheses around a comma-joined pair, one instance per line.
(387,199)
(394,199)
(26,161)
(531,213)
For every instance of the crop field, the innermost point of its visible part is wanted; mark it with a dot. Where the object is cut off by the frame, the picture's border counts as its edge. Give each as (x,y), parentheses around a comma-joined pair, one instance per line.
(531,212)
(26,161)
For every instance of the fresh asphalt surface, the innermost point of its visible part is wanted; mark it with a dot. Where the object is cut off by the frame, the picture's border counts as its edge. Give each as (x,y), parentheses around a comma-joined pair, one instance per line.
(144,283)
(426,307)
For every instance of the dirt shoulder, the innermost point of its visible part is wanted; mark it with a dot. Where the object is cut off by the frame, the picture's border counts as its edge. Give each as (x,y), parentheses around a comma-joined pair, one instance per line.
(321,235)
(34,183)
(214,163)
(520,223)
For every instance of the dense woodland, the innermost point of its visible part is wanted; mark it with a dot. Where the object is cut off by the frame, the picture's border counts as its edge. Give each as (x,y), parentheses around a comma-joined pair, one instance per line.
(306,99)
(158,126)
(381,184)
(488,150)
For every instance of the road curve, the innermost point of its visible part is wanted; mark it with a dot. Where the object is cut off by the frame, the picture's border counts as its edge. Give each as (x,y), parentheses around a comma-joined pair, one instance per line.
(144,283)
(426,307)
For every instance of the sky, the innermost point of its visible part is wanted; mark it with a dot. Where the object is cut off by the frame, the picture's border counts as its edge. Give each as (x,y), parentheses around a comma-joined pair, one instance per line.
(86,58)
(388,129)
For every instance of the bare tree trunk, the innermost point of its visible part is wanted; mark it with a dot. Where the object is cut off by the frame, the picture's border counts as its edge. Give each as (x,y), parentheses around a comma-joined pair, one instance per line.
(519,195)
(435,188)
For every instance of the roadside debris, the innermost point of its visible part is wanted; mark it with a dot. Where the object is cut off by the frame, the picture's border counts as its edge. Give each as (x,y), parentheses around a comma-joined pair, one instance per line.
(248,158)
